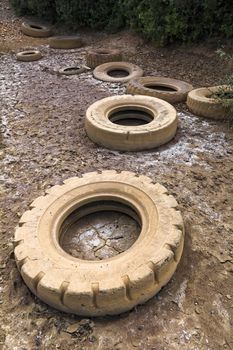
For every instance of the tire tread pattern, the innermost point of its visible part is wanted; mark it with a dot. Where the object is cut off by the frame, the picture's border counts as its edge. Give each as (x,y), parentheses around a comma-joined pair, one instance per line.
(95,58)
(200,103)
(138,87)
(39,274)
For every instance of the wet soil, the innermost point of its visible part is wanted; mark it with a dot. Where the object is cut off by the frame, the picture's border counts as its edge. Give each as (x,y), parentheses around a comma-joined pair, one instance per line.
(44,142)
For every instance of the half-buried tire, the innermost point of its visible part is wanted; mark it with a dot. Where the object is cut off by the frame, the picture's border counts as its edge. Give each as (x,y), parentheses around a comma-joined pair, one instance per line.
(202,103)
(66,42)
(109,286)
(36,30)
(170,90)
(29,55)
(97,57)
(118,72)
(131,123)
(72,70)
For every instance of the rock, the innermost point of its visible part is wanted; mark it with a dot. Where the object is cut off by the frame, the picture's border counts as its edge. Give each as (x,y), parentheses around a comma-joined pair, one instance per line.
(92,338)
(73,328)
(86,322)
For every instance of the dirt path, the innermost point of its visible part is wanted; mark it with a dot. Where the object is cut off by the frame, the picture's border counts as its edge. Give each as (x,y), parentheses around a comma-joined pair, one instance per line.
(44,142)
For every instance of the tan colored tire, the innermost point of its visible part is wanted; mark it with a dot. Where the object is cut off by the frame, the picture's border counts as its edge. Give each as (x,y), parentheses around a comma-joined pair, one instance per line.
(97,57)
(29,56)
(113,285)
(201,103)
(158,86)
(159,128)
(65,42)
(36,30)
(72,70)
(103,71)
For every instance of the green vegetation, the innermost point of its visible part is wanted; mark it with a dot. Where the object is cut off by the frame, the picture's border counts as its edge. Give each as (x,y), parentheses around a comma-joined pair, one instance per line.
(164,21)
(43,8)
(225,95)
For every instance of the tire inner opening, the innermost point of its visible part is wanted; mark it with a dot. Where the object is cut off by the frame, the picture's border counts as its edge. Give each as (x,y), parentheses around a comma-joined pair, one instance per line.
(100,230)
(35,27)
(29,53)
(130,117)
(118,73)
(103,52)
(71,69)
(160,87)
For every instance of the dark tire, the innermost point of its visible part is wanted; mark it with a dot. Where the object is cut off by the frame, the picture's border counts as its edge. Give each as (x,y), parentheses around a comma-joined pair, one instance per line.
(131,71)
(143,86)
(29,56)
(201,103)
(36,30)
(65,42)
(97,57)
(159,128)
(109,286)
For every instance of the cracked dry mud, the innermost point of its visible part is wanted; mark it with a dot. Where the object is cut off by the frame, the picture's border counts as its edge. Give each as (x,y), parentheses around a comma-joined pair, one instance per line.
(44,142)
(99,235)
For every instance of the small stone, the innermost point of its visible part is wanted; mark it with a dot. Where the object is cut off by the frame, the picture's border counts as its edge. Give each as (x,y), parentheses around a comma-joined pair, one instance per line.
(73,328)
(39,308)
(40,322)
(92,338)
(86,322)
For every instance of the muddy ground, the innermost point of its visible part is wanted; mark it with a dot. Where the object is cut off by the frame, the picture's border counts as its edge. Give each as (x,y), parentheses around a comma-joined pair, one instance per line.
(44,142)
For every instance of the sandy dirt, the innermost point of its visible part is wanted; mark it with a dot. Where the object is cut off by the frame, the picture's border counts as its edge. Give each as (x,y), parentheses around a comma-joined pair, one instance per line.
(44,142)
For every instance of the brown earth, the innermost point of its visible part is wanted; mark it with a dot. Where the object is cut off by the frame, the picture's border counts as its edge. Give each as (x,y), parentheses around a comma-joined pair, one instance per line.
(44,142)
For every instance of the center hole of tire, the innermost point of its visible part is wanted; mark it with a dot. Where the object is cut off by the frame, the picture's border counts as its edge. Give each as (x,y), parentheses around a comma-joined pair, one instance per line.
(71,69)
(29,53)
(100,230)
(131,117)
(118,73)
(35,26)
(103,52)
(160,87)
